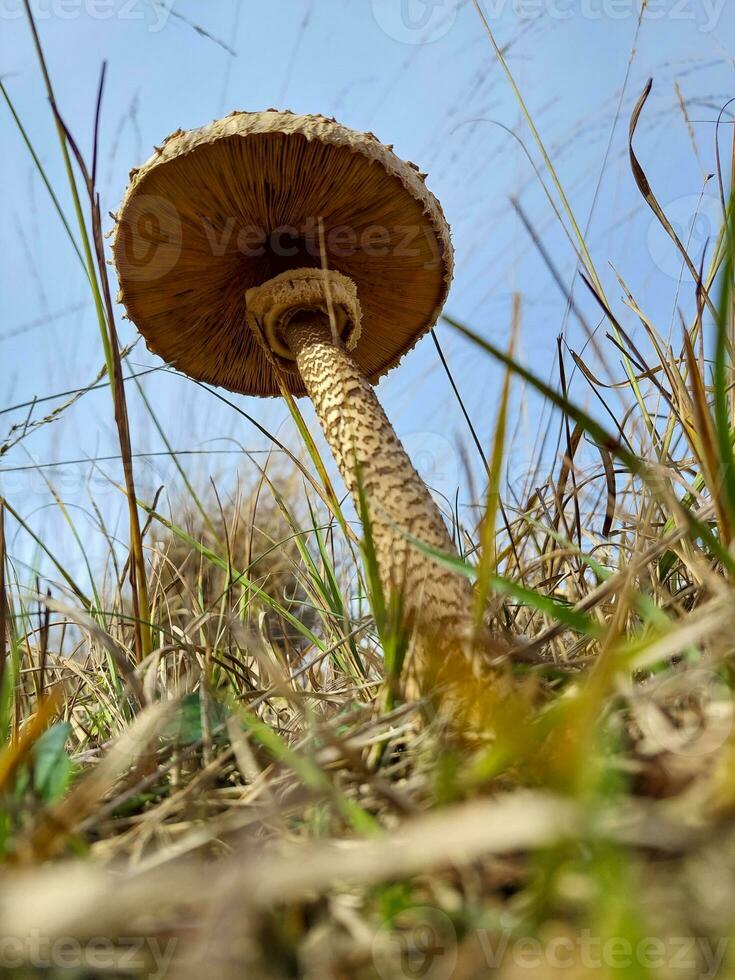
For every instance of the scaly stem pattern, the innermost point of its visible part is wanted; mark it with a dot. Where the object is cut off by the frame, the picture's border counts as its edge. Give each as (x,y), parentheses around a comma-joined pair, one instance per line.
(362,441)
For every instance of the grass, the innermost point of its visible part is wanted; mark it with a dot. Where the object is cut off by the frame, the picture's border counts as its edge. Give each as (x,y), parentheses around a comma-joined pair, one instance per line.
(213,761)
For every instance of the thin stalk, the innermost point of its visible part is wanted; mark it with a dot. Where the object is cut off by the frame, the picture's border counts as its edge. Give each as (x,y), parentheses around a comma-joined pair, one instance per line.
(108,334)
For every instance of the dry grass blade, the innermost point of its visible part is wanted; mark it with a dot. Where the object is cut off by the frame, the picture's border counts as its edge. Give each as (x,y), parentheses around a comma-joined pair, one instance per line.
(488,563)
(55,826)
(15,753)
(645,189)
(120,656)
(704,436)
(456,837)
(96,267)
(611,492)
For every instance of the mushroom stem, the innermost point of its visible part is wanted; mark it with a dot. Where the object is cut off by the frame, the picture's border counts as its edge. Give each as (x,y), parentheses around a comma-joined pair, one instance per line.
(361,438)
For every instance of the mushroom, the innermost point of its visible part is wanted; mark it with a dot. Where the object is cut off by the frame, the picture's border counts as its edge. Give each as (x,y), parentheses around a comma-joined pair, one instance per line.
(271,249)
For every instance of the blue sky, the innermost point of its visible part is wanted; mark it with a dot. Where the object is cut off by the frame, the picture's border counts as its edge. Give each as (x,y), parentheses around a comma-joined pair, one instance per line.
(421,75)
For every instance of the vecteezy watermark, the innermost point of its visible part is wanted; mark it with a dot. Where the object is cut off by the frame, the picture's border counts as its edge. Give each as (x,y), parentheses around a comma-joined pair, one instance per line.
(415,21)
(72,482)
(150,239)
(689,713)
(437,461)
(152,236)
(704,14)
(694,957)
(154,13)
(422,947)
(340,241)
(422,944)
(146,957)
(424,21)
(84,479)
(696,219)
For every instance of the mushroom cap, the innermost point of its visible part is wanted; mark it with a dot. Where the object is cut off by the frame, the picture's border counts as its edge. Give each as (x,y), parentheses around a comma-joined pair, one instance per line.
(218,210)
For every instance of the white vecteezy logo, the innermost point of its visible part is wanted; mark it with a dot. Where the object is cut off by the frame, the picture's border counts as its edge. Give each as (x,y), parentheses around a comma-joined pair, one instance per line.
(415,21)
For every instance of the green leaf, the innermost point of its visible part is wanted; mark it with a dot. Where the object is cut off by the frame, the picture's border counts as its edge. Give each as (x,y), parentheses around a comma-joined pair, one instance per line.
(185,728)
(311,775)
(52,767)
(555,608)
(723,370)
